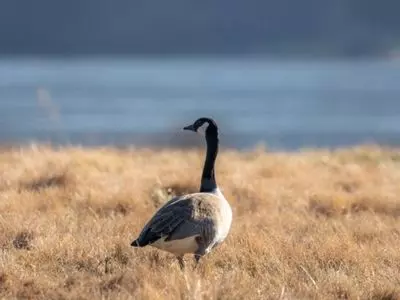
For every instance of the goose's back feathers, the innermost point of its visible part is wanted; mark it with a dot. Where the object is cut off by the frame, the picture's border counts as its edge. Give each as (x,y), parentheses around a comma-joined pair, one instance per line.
(187,224)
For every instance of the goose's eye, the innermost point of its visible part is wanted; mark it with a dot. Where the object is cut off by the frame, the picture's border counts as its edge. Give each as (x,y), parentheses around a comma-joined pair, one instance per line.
(202,129)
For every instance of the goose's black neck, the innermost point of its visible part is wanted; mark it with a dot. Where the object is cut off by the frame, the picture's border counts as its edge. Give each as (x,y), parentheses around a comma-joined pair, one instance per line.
(208,182)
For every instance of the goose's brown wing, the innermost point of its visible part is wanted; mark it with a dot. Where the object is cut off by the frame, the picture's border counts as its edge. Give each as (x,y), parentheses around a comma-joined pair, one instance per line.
(181,217)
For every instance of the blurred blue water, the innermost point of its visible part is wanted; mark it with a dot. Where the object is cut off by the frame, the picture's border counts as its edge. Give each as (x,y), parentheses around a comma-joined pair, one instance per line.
(284,104)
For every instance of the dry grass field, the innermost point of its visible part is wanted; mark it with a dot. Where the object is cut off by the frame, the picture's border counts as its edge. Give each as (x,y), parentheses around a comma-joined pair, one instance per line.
(307,225)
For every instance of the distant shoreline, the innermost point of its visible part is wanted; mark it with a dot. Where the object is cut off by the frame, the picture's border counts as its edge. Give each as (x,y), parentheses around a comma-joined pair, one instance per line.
(384,56)
(261,147)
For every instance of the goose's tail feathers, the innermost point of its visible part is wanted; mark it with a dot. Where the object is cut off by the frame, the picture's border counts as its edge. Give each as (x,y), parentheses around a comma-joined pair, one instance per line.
(135,243)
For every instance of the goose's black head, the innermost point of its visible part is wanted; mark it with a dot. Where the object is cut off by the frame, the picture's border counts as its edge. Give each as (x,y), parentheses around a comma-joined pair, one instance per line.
(206,125)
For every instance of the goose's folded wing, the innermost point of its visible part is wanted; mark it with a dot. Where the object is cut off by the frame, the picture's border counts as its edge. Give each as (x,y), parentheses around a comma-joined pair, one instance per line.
(165,222)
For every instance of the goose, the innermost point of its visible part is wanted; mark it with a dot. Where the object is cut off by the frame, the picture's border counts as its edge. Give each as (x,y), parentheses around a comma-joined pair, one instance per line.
(194,223)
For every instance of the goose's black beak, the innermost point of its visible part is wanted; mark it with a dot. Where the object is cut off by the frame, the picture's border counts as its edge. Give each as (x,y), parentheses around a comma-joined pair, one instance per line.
(190,127)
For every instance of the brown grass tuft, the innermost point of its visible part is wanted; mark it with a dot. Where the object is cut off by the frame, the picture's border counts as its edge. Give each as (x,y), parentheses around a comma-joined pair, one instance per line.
(386,295)
(22,240)
(3,282)
(112,284)
(55,180)
(307,225)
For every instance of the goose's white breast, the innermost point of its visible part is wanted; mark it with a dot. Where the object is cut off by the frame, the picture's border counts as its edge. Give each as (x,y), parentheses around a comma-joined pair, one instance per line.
(226,217)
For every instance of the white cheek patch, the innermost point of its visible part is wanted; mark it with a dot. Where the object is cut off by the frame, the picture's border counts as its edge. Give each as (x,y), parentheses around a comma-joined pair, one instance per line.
(202,129)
